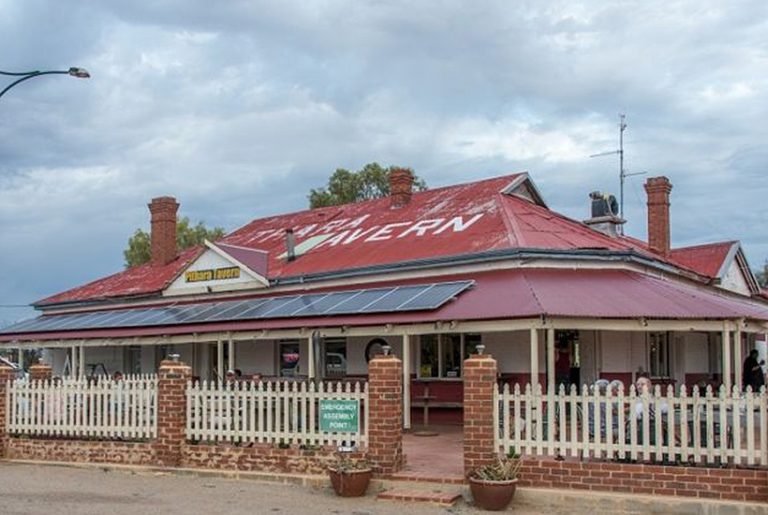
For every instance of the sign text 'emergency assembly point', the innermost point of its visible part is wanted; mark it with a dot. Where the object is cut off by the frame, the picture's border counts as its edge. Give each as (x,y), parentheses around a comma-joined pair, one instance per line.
(337,416)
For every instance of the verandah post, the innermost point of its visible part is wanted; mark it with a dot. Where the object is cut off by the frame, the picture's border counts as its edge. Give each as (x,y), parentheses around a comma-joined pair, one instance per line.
(172,378)
(385,398)
(479,423)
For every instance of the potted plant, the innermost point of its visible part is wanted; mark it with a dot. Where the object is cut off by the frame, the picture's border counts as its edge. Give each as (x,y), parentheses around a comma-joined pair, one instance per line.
(493,486)
(350,476)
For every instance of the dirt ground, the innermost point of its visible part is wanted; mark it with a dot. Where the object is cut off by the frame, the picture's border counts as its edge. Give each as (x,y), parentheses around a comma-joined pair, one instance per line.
(37,489)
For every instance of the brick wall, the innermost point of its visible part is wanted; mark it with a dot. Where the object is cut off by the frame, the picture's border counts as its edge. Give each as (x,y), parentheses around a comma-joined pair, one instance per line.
(6,374)
(40,372)
(81,451)
(479,383)
(259,458)
(172,380)
(385,397)
(709,483)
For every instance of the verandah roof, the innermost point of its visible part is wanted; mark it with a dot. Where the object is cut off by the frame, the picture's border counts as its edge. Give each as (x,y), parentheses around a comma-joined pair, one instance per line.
(497,295)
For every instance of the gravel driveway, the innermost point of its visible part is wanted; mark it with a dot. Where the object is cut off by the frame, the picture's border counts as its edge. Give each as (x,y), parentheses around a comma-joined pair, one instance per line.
(40,489)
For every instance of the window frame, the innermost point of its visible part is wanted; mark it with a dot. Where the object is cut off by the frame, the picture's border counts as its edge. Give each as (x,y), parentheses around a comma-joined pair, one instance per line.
(474,340)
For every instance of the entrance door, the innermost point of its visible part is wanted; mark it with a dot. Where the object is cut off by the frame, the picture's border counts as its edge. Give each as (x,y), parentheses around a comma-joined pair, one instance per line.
(568,358)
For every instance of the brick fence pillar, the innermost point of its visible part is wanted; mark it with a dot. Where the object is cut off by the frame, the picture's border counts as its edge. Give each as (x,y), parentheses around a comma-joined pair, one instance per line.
(385,401)
(479,426)
(6,374)
(40,372)
(171,411)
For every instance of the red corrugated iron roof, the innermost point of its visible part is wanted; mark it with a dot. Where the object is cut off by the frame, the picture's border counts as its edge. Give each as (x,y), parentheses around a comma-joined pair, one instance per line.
(464,219)
(256,260)
(706,259)
(508,294)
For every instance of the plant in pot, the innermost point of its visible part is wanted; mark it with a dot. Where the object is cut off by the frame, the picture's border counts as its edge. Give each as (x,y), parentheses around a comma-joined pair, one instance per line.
(493,485)
(349,475)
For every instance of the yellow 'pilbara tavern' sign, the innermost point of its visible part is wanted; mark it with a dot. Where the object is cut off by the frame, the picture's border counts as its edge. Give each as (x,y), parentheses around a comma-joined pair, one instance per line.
(212,274)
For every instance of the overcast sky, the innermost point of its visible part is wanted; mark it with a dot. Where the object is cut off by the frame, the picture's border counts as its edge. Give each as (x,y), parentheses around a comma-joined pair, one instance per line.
(237,108)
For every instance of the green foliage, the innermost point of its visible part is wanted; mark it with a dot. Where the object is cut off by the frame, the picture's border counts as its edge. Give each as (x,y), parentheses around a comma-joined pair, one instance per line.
(344,187)
(762,275)
(139,245)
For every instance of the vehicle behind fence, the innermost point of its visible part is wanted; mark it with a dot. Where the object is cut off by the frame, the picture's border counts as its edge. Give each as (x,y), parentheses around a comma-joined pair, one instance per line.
(281,412)
(97,408)
(689,427)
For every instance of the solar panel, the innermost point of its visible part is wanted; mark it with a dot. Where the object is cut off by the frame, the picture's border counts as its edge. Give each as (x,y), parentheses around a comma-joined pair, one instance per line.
(253,306)
(320,306)
(357,302)
(435,296)
(393,299)
(265,308)
(375,300)
(137,315)
(225,311)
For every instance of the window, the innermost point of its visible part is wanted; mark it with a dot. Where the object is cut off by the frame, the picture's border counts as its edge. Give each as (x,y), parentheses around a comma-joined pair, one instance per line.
(335,357)
(288,358)
(132,359)
(658,351)
(441,356)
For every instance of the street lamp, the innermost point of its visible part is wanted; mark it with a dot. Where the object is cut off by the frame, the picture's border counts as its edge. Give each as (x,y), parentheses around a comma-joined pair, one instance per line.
(80,73)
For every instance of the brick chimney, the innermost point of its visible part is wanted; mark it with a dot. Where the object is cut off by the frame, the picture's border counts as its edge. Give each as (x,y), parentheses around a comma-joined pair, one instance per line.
(658,189)
(400,187)
(163,211)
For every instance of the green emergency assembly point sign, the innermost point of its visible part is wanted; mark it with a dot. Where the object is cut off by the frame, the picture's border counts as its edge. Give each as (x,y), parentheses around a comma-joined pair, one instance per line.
(339,416)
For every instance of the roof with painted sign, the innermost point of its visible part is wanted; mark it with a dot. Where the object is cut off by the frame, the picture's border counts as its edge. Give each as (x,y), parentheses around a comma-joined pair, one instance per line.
(494,214)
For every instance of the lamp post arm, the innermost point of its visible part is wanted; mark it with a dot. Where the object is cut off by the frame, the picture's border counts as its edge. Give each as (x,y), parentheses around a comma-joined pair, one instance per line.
(29,75)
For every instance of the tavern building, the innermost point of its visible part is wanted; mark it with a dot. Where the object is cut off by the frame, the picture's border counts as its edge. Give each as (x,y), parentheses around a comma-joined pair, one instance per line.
(431,274)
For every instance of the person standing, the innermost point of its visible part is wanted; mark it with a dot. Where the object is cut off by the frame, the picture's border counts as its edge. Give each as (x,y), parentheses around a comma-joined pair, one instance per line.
(752,372)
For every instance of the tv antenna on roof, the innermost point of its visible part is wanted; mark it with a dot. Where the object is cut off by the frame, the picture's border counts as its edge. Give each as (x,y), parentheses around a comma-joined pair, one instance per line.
(622,172)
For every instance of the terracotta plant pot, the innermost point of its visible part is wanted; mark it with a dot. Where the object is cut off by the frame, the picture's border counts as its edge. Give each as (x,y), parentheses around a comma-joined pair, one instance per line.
(492,495)
(350,483)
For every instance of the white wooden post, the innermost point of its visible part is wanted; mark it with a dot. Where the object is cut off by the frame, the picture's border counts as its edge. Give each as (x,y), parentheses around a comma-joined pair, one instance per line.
(81,361)
(406,381)
(73,361)
(551,386)
(230,354)
(220,360)
(534,358)
(726,356)
(737,354)
(21,358)
(311,357)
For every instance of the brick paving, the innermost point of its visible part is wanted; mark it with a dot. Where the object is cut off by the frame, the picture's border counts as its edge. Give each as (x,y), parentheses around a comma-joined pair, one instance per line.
(434,458)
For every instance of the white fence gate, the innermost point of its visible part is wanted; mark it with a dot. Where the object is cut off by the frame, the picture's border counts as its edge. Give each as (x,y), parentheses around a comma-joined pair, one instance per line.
(103,408)
(272,412)
(699,427)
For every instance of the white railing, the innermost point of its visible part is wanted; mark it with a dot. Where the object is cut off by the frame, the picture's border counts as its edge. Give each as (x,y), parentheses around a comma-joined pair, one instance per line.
(272,412)
(102,408)
(695,427)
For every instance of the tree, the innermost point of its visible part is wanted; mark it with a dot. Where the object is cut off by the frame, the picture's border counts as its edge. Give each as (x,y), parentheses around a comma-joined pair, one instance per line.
(762,275)
(344,187)
(139,249)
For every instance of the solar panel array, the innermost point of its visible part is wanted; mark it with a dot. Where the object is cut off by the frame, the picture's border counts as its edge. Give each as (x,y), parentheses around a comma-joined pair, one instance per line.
(355,302)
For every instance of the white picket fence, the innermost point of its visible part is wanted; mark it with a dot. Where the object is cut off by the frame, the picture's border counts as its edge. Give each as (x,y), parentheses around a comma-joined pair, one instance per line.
(271,412)
(99,408)
(690,427)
